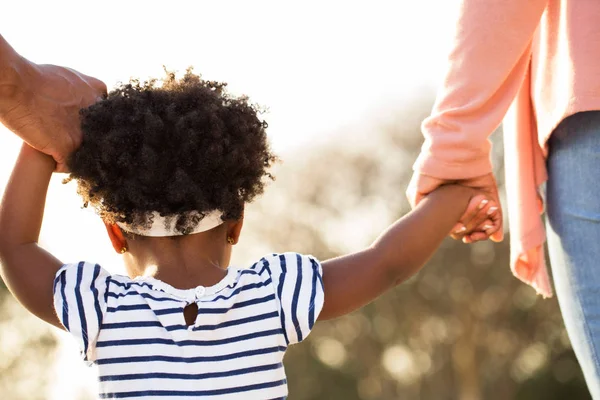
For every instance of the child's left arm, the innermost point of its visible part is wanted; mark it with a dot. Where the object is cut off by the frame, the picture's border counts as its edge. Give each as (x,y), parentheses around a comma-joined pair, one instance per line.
(354,280)
(27,269)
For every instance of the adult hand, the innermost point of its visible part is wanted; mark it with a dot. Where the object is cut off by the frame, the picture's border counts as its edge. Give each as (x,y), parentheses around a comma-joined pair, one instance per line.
(421,185)
(44,108)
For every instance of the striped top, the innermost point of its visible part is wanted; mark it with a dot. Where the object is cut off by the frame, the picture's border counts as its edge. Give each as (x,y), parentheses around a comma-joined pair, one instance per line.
(135,331)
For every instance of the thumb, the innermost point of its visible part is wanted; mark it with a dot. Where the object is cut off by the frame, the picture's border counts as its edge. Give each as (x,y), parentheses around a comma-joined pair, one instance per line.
(414,196)
(420,186)
(411,194)
(99,86)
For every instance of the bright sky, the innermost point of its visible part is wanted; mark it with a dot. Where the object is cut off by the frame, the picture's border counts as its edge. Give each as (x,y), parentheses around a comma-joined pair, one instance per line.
(317,65)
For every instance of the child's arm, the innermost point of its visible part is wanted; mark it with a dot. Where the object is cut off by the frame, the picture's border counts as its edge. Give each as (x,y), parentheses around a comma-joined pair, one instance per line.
(27,269)
(354,280)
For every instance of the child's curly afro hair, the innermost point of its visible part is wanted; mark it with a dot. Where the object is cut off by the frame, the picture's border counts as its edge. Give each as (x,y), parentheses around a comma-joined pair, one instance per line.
(187,145)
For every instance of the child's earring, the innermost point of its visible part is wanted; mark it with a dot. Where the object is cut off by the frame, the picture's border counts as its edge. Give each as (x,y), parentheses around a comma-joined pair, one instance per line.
(230,240)
(123,249)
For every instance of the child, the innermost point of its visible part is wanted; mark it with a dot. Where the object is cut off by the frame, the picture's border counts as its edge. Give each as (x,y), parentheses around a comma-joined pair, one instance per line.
(169,170)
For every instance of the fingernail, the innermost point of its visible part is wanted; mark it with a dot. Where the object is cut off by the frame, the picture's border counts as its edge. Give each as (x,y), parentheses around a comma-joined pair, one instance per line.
(492,210)
(482,204)
(486,227)
(462,229)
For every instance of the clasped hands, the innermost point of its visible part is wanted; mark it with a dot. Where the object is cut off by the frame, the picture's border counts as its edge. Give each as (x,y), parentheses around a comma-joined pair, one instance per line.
(41,104)
(487,205)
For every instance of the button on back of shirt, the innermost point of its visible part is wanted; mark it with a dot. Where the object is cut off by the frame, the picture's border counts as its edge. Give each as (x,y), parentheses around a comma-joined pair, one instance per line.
(200,290)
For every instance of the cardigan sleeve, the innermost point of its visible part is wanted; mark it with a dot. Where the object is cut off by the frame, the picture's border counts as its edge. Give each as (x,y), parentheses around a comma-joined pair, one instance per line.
(488,60)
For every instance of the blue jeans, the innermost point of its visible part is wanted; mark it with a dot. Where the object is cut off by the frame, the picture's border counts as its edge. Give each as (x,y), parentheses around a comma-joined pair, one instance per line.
(573,227)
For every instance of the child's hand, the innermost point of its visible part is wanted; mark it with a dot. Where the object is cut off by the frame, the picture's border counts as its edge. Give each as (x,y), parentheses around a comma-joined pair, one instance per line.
(479,221)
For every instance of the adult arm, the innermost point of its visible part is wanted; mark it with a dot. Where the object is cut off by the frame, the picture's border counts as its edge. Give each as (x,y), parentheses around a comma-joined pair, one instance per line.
(488,59)
(41,103)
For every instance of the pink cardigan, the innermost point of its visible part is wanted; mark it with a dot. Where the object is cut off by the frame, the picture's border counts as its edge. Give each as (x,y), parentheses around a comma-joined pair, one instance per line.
(529,62)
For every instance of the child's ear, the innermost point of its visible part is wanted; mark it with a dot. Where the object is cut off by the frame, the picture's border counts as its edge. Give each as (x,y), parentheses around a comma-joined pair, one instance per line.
(235,229)
(116,237)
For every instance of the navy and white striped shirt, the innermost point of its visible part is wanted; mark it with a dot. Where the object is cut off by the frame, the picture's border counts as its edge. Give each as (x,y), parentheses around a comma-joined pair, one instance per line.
(135,331)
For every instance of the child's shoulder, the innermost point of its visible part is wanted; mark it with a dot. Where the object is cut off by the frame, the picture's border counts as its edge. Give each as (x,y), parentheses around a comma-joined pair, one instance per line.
(271,268)
(297,285)
(81,273)
(283,263)
(83,278)
(85,272)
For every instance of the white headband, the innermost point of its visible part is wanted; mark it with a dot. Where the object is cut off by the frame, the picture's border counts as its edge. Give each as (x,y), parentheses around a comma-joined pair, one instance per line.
(165,226)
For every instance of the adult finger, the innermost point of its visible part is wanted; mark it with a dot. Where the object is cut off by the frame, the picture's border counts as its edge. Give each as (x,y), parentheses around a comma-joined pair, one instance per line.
(469,218)
(481,232)
(475,237)
(479,218)
(473,208)
(487,184)
(495,231)
(94,83)
(99,86)
(491,228)
(498,235)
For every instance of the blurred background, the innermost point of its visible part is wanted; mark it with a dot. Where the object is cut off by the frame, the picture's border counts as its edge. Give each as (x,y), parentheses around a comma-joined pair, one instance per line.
(347,85)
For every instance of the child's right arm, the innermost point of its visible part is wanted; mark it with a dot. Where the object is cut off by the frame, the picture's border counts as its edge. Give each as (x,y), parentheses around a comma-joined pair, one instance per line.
(354,280)
(28,270)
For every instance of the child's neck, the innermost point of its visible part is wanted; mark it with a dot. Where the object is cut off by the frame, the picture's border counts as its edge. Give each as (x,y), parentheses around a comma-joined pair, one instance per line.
(183,262)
